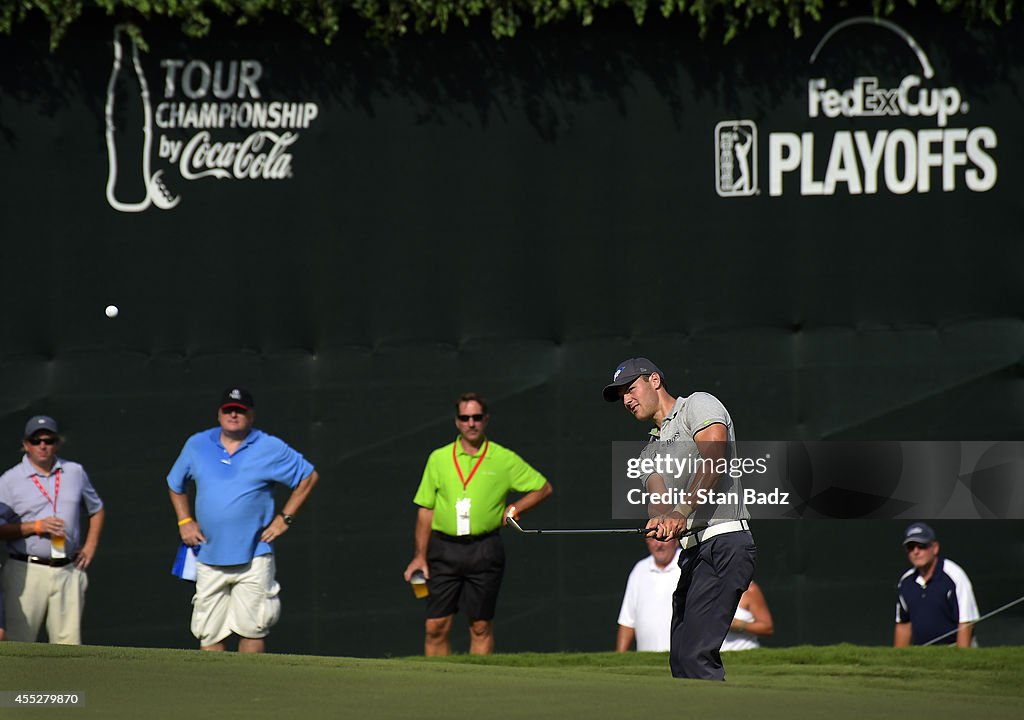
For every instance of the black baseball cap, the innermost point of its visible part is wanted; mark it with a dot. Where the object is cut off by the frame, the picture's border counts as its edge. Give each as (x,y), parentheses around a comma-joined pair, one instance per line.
(237,397)
(919,533)
(628,371)
(40,422)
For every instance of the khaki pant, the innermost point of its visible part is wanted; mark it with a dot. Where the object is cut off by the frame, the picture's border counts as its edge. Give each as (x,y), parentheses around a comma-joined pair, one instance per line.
(35,593)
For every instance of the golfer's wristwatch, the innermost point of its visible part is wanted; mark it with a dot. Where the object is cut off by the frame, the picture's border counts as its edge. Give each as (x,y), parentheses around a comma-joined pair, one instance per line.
(288,519)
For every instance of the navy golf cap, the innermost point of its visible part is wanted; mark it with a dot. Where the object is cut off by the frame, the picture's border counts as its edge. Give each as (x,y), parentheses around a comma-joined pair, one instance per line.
(40,422)
(626,373)
(919,533)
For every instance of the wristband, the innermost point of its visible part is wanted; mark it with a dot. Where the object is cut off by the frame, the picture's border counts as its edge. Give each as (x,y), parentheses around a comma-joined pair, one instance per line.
(39,527)
(186,520)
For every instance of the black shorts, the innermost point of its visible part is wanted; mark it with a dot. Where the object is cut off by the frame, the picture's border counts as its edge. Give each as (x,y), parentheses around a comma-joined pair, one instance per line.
(465,574)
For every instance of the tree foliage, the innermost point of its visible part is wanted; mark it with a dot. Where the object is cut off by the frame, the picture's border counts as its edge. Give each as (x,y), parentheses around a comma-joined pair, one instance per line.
(394,18)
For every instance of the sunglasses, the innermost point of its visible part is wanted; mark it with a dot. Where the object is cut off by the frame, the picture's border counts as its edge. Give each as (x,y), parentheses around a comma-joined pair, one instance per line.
(42,441)
(478,417)
(918,546)
(231,410)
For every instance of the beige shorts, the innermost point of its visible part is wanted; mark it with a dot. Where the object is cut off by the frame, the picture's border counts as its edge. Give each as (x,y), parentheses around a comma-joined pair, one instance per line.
(239,599)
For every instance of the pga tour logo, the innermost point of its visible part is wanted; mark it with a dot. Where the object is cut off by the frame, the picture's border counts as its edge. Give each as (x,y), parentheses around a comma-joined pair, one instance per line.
(736,158)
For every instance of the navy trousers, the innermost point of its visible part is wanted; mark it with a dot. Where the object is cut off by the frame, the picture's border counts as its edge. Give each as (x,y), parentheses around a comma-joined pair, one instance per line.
(713,576)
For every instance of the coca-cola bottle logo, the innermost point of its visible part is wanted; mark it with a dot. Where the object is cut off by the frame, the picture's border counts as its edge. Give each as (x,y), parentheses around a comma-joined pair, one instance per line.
(129,146)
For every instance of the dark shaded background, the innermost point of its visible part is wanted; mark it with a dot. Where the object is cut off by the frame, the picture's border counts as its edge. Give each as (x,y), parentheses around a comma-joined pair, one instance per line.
(513,217)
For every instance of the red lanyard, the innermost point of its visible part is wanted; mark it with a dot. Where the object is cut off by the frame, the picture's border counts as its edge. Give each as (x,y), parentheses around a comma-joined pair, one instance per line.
(56,490)
(465,481)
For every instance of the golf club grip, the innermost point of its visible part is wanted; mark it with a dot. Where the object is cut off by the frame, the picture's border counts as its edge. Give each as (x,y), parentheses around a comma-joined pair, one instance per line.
(691,531)
(590,531)
(645,531)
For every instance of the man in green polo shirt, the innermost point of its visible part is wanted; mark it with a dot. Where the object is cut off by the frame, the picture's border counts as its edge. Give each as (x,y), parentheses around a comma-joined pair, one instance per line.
(462,506)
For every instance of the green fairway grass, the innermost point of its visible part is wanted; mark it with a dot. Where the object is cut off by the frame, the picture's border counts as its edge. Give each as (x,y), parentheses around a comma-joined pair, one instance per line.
(834,682)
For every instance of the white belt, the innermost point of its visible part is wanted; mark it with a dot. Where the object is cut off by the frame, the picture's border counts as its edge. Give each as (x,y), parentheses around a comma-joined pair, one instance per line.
(713,530)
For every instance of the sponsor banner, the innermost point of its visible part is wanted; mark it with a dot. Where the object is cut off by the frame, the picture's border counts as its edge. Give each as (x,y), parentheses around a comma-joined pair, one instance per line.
(201,120)
(820,480)
(905,135)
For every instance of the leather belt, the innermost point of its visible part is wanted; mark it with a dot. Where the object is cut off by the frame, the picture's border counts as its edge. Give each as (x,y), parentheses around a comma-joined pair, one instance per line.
(52,562)
(711,531)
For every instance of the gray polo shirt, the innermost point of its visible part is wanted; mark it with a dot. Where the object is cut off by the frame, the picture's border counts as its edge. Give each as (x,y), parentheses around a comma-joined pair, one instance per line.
(689,416)
(21,501)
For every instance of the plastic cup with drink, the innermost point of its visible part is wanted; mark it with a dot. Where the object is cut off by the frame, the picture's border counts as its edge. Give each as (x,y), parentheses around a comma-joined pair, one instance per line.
(419,585)
(57,550)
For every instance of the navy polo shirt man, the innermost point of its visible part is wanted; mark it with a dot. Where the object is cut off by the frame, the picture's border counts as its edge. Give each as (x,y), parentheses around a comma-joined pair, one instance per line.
(934,598)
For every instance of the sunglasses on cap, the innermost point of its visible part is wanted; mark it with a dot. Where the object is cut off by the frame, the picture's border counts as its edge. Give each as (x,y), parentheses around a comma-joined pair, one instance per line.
(48,440)
(478,417)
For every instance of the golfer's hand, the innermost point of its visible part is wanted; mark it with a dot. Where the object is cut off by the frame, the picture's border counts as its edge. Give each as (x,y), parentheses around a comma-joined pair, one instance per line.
(669,526)
(417,563)
(190,533)
(274,530)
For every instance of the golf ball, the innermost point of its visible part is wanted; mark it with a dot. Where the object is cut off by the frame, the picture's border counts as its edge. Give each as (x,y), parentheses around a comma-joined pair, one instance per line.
(111,311)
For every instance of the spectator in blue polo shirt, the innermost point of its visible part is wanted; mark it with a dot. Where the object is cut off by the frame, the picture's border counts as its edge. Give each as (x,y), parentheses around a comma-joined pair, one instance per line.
(234,468)
(935,599)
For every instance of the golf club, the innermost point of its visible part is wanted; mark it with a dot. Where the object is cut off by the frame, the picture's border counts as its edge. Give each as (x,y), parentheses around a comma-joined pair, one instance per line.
(975,622)
(591,531)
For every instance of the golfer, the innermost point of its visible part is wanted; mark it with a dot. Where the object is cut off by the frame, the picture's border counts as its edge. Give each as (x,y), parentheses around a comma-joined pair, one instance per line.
(717,562)
(462,507)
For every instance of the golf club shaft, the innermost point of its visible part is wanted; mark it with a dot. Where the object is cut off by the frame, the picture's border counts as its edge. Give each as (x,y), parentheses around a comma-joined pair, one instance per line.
(975,622)
(592,531)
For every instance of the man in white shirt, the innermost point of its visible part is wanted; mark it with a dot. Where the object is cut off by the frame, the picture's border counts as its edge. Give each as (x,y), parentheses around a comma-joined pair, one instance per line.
(646,613)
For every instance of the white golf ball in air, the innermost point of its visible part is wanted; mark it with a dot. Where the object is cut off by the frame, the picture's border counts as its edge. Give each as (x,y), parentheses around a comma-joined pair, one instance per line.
(111,311)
